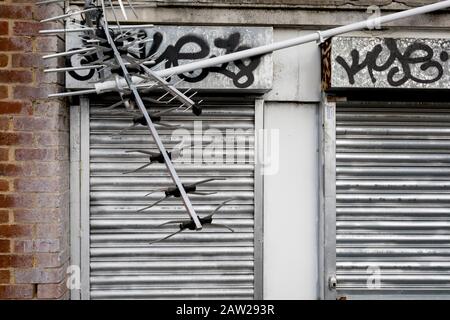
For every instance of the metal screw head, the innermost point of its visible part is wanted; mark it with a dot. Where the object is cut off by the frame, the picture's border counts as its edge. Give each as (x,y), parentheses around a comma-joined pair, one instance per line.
(332,282)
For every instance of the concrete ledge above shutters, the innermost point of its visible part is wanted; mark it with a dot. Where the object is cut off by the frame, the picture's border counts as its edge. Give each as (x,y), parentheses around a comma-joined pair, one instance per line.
(393,200)
(210,264)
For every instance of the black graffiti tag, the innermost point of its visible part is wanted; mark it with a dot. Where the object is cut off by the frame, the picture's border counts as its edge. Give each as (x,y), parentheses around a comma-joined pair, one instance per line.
(174,54)
(409,58)
(243,77)
(231,44)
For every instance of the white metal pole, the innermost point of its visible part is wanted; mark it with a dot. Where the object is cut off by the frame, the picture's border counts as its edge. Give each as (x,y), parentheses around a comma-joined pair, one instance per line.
(316,36)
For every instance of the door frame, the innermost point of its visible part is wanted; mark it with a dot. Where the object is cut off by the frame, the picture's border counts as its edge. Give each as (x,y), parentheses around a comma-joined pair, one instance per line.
(79,196)
(327,201)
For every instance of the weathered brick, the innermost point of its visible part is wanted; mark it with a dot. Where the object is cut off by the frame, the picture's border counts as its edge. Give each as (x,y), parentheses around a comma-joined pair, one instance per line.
(51,168)
(62,153)
(14,139)
(52,139)
(26,28)
(54,276)
(36,185)
(4,123)
(10,107)
(16,170)
(16,107)
(4,185)
(16,76)
(4,60)
(5,276)
(16,44)
(51,291)
(33,60)
(26,60)
(16,261)
(52,230)
(4,28)
(35,124)
(47,11)
(36,215)
(49,108)
(49,44)
(28,92)
(4,216)
(47,139)
(51,260)
(55,78)
(37,245)
(16,200)
(51,200)
(4,154)
(16,291)
(3,92)
(16,231)
(35,154)
(15,12)
(5,246)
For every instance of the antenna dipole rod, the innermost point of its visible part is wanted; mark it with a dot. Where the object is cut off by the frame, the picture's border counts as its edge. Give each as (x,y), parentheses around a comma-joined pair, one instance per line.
(69,53)
(129,27)
(72,93)
(68,15)
(49,1)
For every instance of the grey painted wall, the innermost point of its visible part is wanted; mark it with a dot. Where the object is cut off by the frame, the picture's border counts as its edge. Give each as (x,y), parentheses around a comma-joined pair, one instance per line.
(291,204)
(296,70)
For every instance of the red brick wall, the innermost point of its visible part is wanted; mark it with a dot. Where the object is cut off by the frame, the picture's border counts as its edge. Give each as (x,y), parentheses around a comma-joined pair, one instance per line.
(34,166)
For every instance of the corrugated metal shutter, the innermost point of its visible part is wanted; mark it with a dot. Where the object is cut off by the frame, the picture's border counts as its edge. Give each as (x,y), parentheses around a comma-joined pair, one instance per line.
(393,200)
(213,263)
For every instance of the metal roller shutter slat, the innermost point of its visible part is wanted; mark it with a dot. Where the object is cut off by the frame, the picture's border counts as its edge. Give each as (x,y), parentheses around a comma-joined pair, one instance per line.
(211,264)
(392,200)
